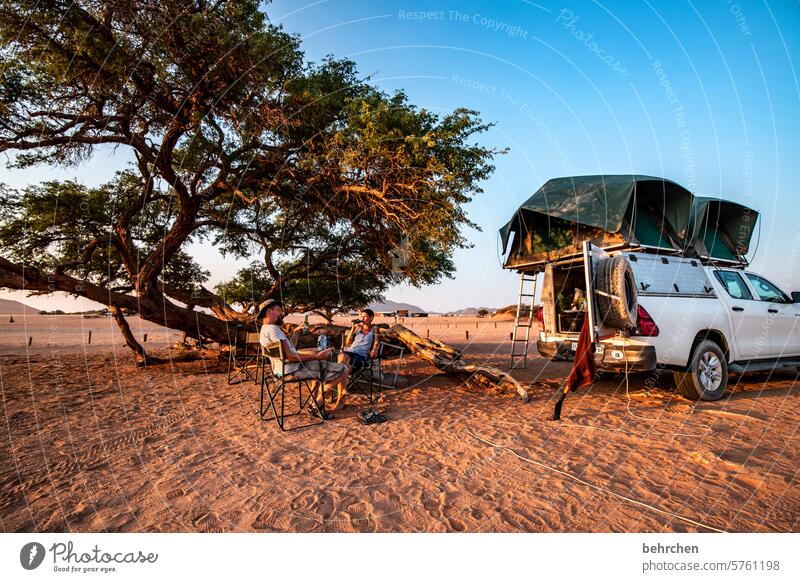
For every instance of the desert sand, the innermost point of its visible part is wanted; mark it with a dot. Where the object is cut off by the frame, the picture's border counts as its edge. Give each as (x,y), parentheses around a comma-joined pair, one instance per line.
(90,442)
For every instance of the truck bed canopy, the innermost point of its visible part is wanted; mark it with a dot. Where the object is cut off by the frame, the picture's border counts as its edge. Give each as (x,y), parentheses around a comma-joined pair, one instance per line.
(623,210)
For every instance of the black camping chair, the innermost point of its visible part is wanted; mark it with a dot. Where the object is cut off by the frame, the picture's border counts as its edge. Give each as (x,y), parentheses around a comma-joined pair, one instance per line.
(244,358)
(371,373)
(273,386)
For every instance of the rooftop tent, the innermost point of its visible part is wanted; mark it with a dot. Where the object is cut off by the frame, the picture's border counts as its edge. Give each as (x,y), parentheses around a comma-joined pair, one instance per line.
(721,229)
(606,210)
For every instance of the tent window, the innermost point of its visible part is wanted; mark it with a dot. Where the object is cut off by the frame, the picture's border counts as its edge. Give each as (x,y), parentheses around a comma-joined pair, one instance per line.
(733,284)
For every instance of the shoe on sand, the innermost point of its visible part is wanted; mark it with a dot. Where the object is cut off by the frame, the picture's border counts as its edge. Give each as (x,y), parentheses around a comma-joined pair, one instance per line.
(313,411)
(371,417)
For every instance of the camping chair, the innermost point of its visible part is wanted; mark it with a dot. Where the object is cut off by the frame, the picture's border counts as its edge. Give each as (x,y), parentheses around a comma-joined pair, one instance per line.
(274,387)
(372,374)
(244,358)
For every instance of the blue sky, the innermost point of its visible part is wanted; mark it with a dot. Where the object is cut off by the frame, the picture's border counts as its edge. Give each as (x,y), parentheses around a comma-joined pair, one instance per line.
(704,93)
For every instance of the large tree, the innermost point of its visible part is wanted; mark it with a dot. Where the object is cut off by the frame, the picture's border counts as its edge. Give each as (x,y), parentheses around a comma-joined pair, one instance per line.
(235,141)
(325,292)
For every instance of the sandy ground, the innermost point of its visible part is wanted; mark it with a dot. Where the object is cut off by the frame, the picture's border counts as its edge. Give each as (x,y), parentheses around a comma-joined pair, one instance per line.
(92,443)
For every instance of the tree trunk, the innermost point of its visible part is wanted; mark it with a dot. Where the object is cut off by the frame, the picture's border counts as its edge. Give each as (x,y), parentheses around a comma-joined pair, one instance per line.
(449,361)
(136,347)
(152,306)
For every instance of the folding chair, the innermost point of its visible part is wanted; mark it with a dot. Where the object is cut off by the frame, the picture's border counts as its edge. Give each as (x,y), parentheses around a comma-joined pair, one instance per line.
(274,387)
(244,358)
(371,373)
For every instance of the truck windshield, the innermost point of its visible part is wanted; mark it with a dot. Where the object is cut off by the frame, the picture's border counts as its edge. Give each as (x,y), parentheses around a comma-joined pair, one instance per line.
(766,290)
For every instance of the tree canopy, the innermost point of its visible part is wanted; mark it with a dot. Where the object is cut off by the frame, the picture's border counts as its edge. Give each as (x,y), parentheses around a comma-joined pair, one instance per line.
(236,141)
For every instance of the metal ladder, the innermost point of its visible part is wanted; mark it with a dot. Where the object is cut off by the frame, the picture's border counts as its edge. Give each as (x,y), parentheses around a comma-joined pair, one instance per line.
(520,352)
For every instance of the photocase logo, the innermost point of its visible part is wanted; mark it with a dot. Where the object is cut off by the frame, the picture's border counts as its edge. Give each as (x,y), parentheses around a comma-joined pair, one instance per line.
(31,555)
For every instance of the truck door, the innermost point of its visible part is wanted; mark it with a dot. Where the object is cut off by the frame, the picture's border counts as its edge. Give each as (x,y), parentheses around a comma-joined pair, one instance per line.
(592,257)
(748,315)
(783,314)
(785,331)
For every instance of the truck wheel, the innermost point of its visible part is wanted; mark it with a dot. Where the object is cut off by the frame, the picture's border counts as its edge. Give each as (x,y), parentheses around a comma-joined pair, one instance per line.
(617,298)
(707,376)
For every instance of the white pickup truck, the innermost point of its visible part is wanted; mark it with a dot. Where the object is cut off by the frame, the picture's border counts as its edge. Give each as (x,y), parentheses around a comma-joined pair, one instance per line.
(654,312)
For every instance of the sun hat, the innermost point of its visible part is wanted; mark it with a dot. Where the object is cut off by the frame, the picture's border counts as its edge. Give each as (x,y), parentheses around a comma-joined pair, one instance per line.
(262,309)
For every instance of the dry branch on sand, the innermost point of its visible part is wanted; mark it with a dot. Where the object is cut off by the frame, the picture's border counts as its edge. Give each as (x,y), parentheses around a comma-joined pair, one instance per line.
(449,361)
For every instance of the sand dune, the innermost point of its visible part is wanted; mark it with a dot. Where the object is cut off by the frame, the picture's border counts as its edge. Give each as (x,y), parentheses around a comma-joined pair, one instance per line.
(9,307)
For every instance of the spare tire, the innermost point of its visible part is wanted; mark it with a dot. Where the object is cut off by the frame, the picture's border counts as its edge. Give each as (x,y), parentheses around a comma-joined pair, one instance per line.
(616,293)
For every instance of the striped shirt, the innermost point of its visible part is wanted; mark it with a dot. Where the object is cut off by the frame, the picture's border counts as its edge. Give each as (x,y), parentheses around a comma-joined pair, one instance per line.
(271,333)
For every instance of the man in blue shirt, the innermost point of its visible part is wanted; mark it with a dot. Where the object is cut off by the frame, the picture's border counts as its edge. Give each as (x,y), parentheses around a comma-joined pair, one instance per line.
(361,342)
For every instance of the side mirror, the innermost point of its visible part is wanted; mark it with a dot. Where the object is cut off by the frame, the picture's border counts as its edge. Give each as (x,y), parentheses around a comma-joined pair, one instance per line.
(795,296)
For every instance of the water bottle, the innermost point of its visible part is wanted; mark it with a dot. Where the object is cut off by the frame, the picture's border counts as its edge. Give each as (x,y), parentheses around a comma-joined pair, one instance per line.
(322,342)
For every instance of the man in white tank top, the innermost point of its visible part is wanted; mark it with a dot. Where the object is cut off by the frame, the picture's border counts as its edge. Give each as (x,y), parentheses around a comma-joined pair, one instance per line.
(300,365)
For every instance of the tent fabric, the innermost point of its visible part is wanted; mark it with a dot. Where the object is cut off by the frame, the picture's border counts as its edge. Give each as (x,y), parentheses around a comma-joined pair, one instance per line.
(721,228)
(540,238)
(635,210)
(606,209)
(646,230)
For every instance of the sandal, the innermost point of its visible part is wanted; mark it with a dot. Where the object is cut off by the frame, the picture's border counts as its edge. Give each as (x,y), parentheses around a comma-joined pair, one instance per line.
(317,414)
(371,417)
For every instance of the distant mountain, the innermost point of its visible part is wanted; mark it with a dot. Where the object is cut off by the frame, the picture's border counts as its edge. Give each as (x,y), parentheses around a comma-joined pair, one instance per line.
(473,310)
(384,306)
(11,307)
(387,306)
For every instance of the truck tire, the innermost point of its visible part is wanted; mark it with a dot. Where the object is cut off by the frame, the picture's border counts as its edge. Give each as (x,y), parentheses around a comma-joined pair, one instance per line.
(707,376)
(617,297)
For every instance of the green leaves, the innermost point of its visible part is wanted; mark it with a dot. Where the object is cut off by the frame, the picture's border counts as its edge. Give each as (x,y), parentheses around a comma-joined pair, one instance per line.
(249,286)
(334,186)
(75,229)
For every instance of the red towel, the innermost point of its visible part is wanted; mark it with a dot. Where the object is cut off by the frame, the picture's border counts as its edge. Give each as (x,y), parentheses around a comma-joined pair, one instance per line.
(583,369)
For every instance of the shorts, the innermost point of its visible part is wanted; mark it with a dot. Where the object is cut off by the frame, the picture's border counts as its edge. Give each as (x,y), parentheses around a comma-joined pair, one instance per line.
(357,361)
(318,369)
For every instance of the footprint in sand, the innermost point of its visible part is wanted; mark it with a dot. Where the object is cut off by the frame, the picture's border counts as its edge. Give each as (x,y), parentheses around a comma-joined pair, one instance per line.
(430,505)
(175,494)
(265,521)
(456,524)
(508,521)
(304,501)
(64,465)
(733,470)
(207,522)
(272,520)
(230,519)
(359,516)
(744,455)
